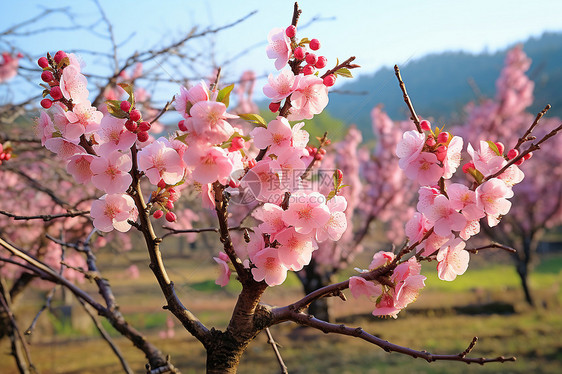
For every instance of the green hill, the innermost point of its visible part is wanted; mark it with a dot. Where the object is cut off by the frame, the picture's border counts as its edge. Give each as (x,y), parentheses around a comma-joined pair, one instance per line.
(441,84)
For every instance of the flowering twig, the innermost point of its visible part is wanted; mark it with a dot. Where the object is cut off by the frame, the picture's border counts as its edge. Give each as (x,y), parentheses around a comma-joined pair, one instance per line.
(492,245)
(525,136)
(413,116)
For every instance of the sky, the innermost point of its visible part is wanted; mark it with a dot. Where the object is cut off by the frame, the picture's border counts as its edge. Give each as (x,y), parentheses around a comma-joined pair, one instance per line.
(378,33)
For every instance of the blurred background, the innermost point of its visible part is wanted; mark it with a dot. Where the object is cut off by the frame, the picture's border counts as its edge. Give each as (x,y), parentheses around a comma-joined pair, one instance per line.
(466,65)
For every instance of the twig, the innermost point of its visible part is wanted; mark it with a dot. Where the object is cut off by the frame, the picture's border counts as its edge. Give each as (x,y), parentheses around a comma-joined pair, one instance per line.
(273,343)
(45,217)
(308,320)
(107,338)
(525,136)
(164,110)
(414,117)
(493,245)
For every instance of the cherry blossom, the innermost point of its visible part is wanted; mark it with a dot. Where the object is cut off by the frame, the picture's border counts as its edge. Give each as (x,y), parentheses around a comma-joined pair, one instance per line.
(269,267)
(492,196)
(112,212)
(281,86)
(337,224)
(381,258)
(188,97)
(424,169)
(278,135)
(307,211)
(296,249)
(359,286)
(409,148)
(309,99)
(224,270)
(113,136)
(444,217)
(209,164)
(453,260)
(73,85)
(208,119)
(453,158)
(279,47)
(159,161)
(79,168)
(111,172)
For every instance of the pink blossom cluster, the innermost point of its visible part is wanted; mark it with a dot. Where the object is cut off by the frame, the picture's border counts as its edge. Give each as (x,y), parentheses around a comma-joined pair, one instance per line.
(405,285)
(306,92)
(5,152)
(451,209)
(9,66)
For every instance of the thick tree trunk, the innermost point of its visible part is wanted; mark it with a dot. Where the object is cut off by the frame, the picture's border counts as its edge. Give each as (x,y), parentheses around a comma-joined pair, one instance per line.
(523,263)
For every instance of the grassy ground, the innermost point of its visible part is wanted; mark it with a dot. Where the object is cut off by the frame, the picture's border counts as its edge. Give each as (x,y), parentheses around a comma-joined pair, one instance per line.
(439,322)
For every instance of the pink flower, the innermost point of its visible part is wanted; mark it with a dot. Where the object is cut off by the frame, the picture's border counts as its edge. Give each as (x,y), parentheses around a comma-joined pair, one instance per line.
(381,258)
(111,173)
(8,66)
(278,135)
(83,119)
(406,291)
(453,158)
(279,47)
(269,267)
(453,260)
(209,164)
(310,98)
(63,148)
(492,196)
(45,127)
(337,224)
(485,160)
(409,148)
(462,198)
(264,182)
(444,217)
(424,169)
(160,161)
(432,244)
(208,119)
(426,198)
(300,137)
(281,86)
(79,168)
(417,227)
(472,228)
(113,136)
(512,175)
(296,249)
(359,286)
(224,269)
(306,212)
(113,211)
(385,307)
(187,98)
(73,85)
(272,217)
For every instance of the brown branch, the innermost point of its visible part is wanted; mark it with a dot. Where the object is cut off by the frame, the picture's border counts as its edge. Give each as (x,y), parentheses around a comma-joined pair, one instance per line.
(414,117)
(323,142)
(45,217)
(346,64)
(325,327)
(493,245)
(107,338)
(197,231)
(273,343)
(174,305)
(164,110)
(151,352)
(525,136)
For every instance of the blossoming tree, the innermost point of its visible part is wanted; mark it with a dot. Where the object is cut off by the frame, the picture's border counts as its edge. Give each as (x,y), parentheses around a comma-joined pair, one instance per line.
(138,180)
(537,202)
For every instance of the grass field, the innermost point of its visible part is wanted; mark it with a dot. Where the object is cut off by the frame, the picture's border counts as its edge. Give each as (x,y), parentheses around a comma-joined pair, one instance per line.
(485,302)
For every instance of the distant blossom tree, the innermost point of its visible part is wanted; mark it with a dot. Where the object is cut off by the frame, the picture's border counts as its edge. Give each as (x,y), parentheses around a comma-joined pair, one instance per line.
(537,204)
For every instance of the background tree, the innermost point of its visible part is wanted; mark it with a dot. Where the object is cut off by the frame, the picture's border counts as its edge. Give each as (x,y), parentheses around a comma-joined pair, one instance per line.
(537,205)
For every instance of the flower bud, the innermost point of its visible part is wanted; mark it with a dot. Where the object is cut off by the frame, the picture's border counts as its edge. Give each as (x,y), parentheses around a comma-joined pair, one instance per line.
(443,137)
(291,31)
(46,103)
(425,125)
(314,44)
(299,53)
(182,126)
(43,62)
(142,136)
(512,154)
(157,214)
(125,106)
(171,217)
(274,107)
(144,126)
(135,115)
(330,80)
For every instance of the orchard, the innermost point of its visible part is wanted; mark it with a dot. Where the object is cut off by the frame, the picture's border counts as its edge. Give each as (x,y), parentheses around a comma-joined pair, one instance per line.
(281,201)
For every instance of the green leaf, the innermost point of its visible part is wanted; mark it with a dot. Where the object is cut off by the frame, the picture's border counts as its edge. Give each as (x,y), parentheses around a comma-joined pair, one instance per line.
(304,41)
(129,89)
(494,147)
(224,95)
(344,72)
(331,195)
(114,108)
(181,138)
(254,118)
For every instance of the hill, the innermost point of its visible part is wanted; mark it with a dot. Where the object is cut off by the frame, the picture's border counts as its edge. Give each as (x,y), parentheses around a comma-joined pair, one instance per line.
(441,84)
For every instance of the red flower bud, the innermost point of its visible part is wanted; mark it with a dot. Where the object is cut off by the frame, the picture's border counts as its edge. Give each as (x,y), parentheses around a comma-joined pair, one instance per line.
(142,136)
(274,107)
(157,214)
(125,106)
(299,53)
(291,31)
(144,126)
(135,115)
(425,125)
(330,80)
(46,76)
(182,126)
(500,146)
(43,62)
(46,103)
(314,44)
(311,59)
(512,154)
(170,217)
(321,62)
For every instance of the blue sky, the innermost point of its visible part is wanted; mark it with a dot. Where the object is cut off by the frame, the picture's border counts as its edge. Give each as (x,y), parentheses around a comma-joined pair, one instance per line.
(378,33)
